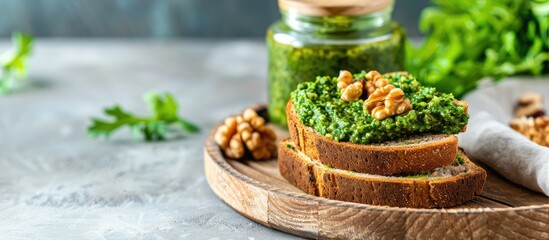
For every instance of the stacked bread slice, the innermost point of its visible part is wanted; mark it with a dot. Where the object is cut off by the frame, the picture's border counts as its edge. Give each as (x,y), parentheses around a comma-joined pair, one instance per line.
(426,171)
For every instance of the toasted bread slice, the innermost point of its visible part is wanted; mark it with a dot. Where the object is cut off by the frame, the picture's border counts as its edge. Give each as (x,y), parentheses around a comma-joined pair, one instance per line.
(443,187)
(416,154)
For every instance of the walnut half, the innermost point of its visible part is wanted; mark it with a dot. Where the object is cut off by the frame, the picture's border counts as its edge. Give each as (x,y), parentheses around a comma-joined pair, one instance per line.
(351,90)
(246,133)
(387,101)
(374,81)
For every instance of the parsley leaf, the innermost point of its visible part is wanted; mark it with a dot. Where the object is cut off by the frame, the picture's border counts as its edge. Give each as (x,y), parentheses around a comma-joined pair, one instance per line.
(153,128)
(469,40)
(14,62)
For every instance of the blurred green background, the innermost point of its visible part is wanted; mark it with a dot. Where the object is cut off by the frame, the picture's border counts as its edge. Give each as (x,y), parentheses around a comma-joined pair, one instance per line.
(157,18)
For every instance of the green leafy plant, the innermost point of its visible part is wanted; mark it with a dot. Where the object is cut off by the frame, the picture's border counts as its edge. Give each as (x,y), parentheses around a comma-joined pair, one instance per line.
(14,62)
(152,128)
(468,40)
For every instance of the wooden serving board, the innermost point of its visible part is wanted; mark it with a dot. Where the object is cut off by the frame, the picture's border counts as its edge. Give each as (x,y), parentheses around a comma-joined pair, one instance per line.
(257,190)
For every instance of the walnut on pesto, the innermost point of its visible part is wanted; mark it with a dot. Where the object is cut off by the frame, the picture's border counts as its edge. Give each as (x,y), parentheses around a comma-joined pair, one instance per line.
(319,105)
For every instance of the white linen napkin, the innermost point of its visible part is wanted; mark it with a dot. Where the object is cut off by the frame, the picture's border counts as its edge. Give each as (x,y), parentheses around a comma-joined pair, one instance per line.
(490,140)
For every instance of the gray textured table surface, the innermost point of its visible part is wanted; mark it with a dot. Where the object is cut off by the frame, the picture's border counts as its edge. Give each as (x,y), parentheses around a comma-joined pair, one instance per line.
(56,183)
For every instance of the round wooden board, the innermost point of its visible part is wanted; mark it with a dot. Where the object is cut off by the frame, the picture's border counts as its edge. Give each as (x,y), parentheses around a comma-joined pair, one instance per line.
(257,190)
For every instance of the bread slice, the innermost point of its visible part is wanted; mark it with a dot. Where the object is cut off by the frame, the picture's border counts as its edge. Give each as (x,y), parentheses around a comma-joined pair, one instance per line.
(444,187)
(416,154)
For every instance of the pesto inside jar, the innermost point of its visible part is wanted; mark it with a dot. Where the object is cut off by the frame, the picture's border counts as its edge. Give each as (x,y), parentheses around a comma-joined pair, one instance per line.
(323,46)
(319,106)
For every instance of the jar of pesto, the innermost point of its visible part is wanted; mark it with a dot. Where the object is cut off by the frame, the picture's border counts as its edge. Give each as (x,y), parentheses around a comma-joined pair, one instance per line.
(319,38)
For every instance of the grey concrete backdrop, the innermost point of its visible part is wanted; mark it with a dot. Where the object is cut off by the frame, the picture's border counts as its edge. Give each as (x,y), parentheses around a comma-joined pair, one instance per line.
(157,18)
(57,183)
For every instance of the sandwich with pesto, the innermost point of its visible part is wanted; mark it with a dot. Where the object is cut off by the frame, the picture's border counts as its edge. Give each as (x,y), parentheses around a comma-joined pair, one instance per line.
(381,139)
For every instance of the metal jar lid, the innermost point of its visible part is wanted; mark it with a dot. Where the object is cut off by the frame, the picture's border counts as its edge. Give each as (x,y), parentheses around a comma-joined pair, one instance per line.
(333,7)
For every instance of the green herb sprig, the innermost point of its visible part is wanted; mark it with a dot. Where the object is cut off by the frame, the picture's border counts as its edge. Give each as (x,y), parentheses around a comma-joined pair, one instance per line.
(14,62)
(469,40)
(164,110)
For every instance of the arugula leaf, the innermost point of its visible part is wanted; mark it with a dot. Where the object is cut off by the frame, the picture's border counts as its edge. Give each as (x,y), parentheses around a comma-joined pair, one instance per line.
(467,41)
(14,62)
(153,128)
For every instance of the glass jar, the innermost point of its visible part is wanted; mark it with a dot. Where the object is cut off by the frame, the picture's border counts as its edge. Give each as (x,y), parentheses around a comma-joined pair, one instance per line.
(320,38)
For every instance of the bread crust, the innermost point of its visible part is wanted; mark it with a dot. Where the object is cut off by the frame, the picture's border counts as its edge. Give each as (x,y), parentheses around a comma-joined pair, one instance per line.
(313,178)
(373,159)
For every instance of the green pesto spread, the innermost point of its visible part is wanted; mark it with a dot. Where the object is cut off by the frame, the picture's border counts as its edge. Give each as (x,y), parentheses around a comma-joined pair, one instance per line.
(422,175)
(319,106)
(290,65)
(459,161)
(425,175)
(290,146)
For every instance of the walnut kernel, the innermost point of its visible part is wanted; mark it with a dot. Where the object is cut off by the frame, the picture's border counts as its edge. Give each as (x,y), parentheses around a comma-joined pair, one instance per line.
(374,81)
(383,99)
(386,102)
(344,79)
(350,89)
(535,129)
(246,132)
(352,92)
